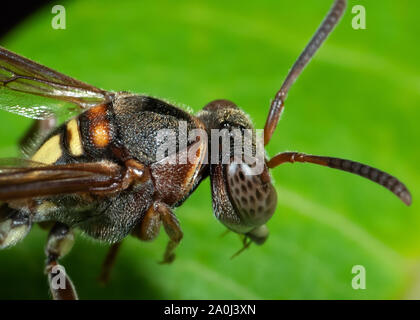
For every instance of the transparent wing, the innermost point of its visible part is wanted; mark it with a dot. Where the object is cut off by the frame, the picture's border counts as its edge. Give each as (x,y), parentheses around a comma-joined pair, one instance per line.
(8,164)
(35,91)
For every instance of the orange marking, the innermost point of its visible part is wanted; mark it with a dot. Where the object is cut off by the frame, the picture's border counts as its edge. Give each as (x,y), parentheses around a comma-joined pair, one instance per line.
(100,133)
(97,112)
(99,126)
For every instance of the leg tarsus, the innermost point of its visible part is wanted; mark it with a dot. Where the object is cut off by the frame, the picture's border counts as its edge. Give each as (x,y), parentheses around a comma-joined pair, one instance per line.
(173,230)
(108,263)
(246,242)
(224,233)
(169,255)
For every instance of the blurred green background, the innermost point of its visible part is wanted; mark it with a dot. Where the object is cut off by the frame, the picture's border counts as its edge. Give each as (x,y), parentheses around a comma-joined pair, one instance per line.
(358,99)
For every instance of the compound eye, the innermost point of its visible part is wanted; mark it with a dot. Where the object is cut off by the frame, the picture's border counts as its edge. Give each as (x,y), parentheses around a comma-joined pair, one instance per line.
(253,198)
(242,201)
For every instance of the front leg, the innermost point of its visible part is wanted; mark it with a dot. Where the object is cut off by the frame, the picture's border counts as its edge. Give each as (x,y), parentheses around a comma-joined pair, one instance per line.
(149,228)
(60,241)
(173,230)
(108,263)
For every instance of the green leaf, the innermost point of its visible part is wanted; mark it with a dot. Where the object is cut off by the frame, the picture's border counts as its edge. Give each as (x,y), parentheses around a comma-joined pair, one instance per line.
(359,99)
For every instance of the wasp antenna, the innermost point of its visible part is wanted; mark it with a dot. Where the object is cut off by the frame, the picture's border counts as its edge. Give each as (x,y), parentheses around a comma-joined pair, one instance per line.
(277,105)
(373,174)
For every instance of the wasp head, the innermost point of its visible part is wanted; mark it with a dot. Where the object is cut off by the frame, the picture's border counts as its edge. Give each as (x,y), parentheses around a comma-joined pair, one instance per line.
(244,198)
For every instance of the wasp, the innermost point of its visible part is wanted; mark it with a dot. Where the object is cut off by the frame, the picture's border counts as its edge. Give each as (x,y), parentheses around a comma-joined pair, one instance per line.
(98,172)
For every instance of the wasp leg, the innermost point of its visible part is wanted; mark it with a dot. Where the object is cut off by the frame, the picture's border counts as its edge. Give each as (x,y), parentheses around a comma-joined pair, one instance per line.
(172,229)
(149,228)
(60,241)
(38,129)
(108,263)
(224,233)
(246,242)
(14,226)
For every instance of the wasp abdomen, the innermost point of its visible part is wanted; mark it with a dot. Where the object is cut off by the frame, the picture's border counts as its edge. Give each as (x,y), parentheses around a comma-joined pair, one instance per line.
(88,136)
(98,130)
(73,138)
(50,151)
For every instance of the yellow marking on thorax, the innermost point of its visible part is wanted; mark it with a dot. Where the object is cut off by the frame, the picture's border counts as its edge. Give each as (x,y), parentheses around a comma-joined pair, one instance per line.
(74,139)
(49,152)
